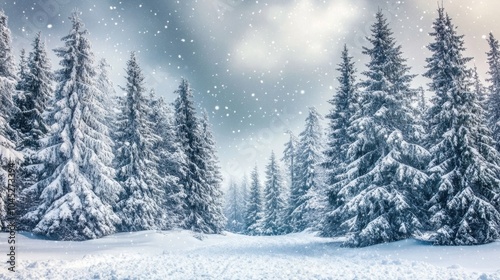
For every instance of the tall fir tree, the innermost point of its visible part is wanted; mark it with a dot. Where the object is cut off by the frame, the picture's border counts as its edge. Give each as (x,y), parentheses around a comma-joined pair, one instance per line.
(199,174)
(8,136)
(290,160)
(215,215)
(141,202)
(77,189)
(253,215)
(309,157)
(170,159)
(35,91)
(340,136)
(493,100)
(384,167)
(465,165)
(274,201)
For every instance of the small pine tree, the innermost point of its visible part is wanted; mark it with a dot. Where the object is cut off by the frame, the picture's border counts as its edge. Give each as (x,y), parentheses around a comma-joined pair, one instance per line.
(465,165)
(234,208)
(253,215)
(274,202)
(77,187)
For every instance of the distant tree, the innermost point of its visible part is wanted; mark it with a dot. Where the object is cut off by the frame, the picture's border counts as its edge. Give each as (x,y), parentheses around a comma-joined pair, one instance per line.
(234,209)
(274,201)
(77,186)
(465,164)
(254,215)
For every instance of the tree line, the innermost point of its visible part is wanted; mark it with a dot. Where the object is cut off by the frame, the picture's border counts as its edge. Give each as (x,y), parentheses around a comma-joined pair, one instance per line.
(390,165)
(91,162)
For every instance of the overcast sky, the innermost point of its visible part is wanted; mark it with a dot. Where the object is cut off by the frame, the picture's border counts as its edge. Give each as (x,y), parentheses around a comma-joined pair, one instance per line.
(255,66)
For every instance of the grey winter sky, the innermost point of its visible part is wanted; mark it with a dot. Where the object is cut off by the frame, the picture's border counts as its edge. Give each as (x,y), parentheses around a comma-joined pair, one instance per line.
(255,66)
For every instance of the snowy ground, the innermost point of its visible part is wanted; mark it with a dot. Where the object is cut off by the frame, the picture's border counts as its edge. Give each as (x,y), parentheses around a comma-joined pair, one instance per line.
(179,255)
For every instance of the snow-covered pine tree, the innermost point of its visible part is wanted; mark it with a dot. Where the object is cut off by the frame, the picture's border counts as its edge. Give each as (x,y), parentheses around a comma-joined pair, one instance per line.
(289,155)
(290,161)
(36,91)
(340,136)
(384,169)
(199,173)
(493,100)
(309,157)
(214,213)
(8,136)
(233,208)
(244,197)
(170,159)
(77,189)
(465,164)
(274,201)
(32,99)
(142,200)
(253,214)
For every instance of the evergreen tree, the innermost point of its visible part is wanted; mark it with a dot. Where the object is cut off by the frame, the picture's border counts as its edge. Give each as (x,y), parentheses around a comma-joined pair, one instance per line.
(8,136)
(141,202)
(493,101)
(274,202)
(309,158)
(77,189)
(465,165)
(35,92)
(199,173)
(234,208)
(340,136)
(384,169)
(253,215)
(170,159)
(290,160)
(214,213)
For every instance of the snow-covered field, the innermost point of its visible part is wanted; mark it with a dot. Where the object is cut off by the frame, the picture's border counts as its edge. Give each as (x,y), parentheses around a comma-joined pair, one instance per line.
(179,255)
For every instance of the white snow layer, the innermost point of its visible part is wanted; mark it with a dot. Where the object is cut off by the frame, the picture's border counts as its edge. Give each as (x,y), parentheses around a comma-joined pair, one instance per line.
(179,255)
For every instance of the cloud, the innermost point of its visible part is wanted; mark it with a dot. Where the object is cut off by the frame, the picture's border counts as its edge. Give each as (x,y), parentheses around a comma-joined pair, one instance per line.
(302,32)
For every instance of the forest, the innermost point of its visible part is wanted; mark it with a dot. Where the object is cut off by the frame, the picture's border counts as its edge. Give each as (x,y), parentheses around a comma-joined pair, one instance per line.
(391,164)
